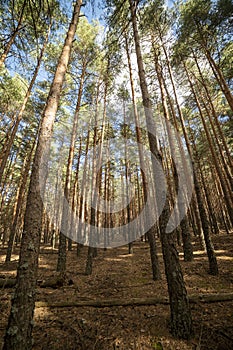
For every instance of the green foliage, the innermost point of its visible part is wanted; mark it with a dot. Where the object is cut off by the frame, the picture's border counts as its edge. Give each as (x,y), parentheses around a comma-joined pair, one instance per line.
(123,93)
(227,61)
(205,23)
(29,20)
(12,91)
(222,13)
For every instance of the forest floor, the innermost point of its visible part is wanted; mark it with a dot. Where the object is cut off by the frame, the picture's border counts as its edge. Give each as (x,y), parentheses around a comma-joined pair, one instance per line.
(120,276)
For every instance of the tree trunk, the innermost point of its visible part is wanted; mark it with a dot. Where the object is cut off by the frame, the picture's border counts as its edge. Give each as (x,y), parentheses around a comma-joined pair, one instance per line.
(96,163)
(213,267)
(197,185)
(19,203)
(181,320)
(151,233)
(219,77)
(61,263)
(212,215)
(13,36)
(7,146)
(19,329)
(186,237)
(213,153)
(216,121)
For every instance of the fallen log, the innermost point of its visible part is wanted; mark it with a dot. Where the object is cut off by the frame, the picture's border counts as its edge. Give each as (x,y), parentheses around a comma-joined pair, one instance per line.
(52,282)
(201,298)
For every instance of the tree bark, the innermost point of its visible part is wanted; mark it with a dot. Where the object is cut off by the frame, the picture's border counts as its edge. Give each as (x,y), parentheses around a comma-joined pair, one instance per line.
(61,263)
(213,153)
(181,320)
(19,203)
(151,233)
(186,237)
(187,142)
(194,299)
(19,329)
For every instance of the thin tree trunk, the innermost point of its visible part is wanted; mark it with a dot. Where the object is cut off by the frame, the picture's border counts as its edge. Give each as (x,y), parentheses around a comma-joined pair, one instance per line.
(7,146)
(73,226)
(61,263)
(213,267)
(13,36)
(83,191)
(151,232)
(19,203)
(186,237)
(91,249)
(219,77)
(212,215)
(200,232)
(197,185)
(214,114)
(210,143)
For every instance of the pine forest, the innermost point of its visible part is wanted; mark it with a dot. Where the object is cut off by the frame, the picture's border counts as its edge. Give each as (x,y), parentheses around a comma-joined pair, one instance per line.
(116,175)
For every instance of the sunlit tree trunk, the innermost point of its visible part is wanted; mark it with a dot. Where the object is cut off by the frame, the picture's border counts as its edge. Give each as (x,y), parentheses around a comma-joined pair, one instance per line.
(65,221)
(213,267)
(151,232)
(219,77)
(210,205)
(181,320)
(75,191)
(197,205)
(213,153)
(91,249)
(186,237)
(19,329)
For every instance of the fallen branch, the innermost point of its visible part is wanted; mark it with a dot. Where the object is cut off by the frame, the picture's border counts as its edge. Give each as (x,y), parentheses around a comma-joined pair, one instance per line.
(202,298)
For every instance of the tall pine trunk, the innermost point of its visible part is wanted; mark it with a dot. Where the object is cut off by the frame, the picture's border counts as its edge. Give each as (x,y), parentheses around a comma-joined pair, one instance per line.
(151,232)
(96,163)
(212,150)
(61,263)
(213,267)
(19,329)
(186,237)
(181,320)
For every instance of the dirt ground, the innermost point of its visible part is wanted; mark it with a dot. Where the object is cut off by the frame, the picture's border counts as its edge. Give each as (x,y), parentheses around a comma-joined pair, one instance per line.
(118,275)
